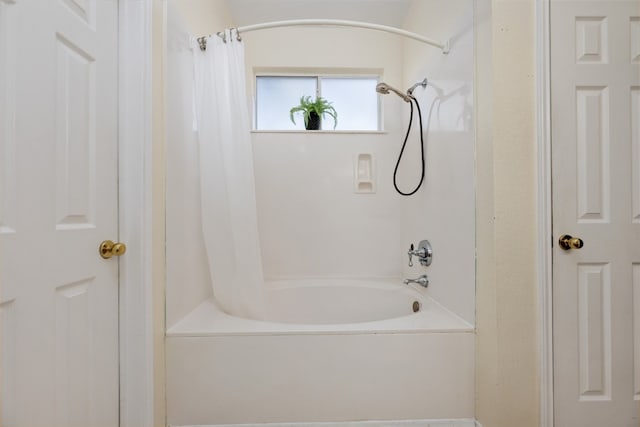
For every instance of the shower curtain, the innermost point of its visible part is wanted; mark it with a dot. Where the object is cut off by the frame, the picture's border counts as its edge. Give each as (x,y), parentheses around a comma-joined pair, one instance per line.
(229,220)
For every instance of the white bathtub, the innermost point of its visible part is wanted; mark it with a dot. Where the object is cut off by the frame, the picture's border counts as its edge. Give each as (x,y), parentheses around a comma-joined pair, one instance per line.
(329,306)
(332,350)
(339,301)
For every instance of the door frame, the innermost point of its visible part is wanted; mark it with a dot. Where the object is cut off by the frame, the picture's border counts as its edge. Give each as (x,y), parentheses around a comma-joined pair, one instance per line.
(544,212)
(135,212)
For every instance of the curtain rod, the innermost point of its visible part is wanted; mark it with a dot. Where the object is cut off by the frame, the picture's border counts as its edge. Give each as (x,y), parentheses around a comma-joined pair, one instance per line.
(337,23)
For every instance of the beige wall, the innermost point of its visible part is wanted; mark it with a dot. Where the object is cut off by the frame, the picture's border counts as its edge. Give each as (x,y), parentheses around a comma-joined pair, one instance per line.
(507,386)
(204,17)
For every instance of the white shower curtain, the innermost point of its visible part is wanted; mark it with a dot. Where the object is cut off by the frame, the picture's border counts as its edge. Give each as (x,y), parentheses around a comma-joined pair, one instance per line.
(229,220)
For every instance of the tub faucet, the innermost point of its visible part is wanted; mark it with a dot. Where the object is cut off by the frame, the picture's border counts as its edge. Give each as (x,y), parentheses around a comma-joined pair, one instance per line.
(422,281)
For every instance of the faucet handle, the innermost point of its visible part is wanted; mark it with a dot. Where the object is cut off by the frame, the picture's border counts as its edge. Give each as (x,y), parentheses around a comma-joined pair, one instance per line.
(410,254)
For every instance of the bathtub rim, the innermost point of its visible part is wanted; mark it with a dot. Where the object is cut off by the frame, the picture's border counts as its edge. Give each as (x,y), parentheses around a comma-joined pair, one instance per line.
(433,422)
(207,319)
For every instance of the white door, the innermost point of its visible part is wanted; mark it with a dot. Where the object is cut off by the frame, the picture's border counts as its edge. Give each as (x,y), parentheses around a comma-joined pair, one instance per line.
(595,115)
(58,201)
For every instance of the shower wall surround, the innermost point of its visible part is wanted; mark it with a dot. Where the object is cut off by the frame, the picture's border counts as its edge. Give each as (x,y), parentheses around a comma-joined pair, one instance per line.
(312,223)
(444,209)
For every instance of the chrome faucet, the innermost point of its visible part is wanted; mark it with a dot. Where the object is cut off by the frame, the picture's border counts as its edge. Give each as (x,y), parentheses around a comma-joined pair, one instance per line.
(424,253)
(422,281)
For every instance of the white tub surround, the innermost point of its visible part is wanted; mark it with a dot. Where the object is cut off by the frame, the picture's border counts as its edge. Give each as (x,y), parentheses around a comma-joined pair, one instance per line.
(318,377)
(223,369)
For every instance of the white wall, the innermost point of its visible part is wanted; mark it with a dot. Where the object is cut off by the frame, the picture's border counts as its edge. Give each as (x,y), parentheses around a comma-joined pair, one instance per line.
(443,210)
(312,224)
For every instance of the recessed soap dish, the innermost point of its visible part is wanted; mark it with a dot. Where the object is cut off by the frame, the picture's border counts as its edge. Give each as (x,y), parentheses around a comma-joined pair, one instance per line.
(364,174)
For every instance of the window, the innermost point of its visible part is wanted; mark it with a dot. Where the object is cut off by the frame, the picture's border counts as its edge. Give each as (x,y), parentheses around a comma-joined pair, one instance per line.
(354,98)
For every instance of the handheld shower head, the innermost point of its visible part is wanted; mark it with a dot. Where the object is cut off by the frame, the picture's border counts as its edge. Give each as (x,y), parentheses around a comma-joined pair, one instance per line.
(384,89)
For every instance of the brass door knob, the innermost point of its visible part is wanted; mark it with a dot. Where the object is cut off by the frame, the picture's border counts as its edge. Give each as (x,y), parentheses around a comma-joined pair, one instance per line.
(568,242)
(108,249)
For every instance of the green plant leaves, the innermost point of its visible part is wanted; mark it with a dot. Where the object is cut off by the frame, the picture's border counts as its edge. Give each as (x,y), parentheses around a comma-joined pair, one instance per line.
(320,106)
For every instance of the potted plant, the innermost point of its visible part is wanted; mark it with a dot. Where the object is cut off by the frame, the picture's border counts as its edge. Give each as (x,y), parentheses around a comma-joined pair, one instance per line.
(312,111)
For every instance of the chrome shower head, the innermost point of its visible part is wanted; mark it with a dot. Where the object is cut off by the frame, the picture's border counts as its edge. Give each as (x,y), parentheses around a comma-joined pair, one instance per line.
(384,89)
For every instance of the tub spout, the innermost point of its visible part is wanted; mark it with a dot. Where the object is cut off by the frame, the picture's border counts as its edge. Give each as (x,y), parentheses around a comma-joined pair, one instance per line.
(422,281)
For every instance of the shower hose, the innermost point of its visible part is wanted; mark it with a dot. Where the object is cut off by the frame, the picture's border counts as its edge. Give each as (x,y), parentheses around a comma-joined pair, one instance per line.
(404,144)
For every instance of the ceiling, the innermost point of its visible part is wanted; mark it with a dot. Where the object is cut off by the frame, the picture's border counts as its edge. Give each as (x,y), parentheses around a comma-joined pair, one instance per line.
(384,12)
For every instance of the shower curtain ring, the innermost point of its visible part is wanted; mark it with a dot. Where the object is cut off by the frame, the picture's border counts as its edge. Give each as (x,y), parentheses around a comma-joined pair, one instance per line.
(222,35)
(238,37)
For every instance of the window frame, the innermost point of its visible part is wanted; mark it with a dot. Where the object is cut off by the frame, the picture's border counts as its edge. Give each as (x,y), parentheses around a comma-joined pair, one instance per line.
(325,74)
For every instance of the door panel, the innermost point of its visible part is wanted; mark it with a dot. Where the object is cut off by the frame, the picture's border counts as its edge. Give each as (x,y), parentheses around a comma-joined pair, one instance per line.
(8,326)
(636,331)
(58,201)
(7,119)
(635,149)
(594,83)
